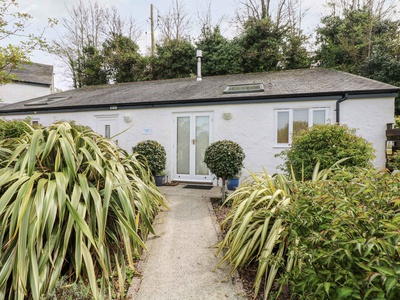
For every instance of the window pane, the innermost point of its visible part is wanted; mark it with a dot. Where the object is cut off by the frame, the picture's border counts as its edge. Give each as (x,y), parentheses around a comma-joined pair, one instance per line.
(300,120)
(283,127)
(202,142)
(107,133)
(319,117)
(183,145)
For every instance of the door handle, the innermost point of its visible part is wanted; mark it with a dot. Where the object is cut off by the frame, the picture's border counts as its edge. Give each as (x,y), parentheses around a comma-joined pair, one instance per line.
(194,141)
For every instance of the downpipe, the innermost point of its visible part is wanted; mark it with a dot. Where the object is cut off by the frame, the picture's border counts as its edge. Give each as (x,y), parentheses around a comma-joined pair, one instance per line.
(344,98)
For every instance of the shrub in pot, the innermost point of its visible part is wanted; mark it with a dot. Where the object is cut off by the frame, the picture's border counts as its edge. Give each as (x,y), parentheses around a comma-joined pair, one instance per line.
(153,153)
(225,160)
(233,183)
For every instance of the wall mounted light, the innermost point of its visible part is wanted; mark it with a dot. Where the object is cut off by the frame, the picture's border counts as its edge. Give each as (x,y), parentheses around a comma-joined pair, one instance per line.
(227,116)
(127,118)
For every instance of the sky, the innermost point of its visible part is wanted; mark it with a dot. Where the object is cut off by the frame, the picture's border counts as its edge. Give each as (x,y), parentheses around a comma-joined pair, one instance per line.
(139,10)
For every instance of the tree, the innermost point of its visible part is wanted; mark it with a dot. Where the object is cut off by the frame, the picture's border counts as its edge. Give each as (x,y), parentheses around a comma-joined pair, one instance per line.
(174,59)
(220,56)
(261,43)
(175,24)
(123,59)
(225,160)
(84,27)
(90,67)
(294,53)
(294,50)
(361,37)
(271,36)
(383,66)
(89,24)
(347,40)
(13,24)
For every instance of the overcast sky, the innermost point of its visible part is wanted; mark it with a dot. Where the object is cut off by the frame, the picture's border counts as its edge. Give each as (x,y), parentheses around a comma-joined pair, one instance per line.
(41,10)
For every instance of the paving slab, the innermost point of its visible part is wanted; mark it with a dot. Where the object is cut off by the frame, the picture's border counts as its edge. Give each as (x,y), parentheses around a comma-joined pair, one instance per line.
(181,260)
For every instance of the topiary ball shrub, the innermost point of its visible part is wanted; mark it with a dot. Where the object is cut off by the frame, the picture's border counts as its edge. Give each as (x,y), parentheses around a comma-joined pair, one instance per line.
(154,153)
(327,144)
(224,159)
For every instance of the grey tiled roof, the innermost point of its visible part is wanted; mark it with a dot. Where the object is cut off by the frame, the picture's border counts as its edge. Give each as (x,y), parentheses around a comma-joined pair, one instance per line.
(35,73)
(280,84)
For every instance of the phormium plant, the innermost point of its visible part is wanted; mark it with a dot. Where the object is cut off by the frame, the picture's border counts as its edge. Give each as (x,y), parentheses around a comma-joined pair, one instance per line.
(255,229)
(225,160)
(72,203)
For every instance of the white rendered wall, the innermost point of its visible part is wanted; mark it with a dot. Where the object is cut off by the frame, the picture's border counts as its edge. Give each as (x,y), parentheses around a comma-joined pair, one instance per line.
(251,125)
(369,117)
(15,92)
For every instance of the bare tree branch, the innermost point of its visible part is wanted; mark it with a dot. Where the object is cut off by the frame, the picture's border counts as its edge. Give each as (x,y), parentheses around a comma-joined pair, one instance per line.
(175,25)
(205,19)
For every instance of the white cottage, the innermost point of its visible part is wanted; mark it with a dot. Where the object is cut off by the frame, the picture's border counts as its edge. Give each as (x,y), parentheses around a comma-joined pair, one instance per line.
(32,80)
(255,110)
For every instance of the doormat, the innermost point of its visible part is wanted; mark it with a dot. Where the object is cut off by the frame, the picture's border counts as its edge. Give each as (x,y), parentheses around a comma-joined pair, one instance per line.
(198,187)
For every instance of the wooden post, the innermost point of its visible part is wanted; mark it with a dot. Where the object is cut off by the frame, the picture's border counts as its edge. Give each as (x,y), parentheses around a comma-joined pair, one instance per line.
(152,42)
(152,29)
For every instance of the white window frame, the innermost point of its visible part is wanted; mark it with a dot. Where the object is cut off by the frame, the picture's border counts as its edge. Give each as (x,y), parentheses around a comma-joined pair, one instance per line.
(290,111)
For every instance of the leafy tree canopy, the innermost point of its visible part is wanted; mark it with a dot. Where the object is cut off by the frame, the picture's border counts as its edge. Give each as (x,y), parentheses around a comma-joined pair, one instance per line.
(347,41)
(261,43)
(174,59)
(220,56)
(90,67)
(123,59)
(14,23)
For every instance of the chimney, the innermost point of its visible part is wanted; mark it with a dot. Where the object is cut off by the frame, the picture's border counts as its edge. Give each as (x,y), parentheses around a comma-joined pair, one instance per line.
(199,55)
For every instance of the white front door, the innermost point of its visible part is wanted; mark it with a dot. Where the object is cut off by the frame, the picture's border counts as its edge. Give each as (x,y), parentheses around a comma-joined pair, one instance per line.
(107,125)
(192,137)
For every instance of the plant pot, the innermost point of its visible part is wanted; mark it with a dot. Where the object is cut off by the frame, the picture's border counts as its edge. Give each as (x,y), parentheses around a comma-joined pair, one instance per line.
(159,179)
(232,183)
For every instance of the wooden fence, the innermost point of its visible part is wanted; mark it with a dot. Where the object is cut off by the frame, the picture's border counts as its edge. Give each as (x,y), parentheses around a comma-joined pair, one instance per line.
(392,140)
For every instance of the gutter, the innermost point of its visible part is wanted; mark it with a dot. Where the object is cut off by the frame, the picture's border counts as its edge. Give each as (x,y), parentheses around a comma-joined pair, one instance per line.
(205,101)
(344,98)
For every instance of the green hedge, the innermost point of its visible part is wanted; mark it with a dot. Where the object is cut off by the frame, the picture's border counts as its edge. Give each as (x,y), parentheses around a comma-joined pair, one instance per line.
(13,128)
(345,235)
(327,144)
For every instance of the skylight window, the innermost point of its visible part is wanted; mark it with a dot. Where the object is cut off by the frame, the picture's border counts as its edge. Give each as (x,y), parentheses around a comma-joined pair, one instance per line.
(244,88)
(45,101)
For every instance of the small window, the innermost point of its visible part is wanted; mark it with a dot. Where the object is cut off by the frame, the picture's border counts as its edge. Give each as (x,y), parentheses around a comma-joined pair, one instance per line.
(283,127)
(291,121)
(319,116)
(244,88)
(107,133)
(300,120)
